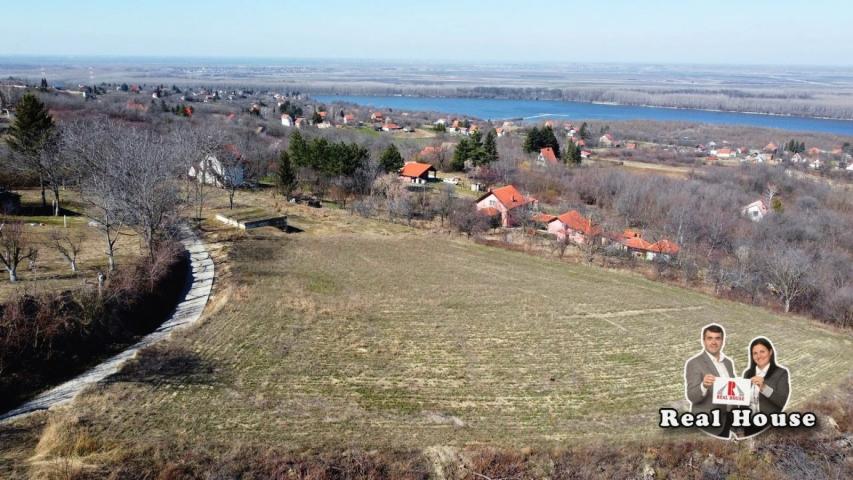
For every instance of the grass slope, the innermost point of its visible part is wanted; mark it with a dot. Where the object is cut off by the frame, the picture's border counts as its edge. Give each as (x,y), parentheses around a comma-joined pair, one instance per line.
(378,337)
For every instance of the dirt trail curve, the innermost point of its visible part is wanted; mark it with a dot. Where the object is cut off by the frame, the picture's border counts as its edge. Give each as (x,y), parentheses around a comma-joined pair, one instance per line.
(189,310)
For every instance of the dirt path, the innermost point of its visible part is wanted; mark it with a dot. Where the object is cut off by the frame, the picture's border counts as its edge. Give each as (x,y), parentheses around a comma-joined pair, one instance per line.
(189,310)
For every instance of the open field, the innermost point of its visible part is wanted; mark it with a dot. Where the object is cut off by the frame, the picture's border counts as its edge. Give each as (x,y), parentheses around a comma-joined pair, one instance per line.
(368,334)
(52,271)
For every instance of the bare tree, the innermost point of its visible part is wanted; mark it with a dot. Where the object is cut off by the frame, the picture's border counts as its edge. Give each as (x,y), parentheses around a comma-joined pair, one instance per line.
(14,247)
(788,271)
(93,151)
(197,143)
(68,244)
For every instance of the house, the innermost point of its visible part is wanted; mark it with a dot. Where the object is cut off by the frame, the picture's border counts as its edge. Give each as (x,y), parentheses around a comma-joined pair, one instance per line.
(814,152)
(547,157)
(576,227)
(631,146)
(542,220)
(349,118)
(390,127)
(724,153)
(504,201)
(755,211)
(500,132)
(606,140)
(771,148)
(324,124)
(376,116)
(797,158)
(212,170)
(286,120)
(585,154)
(299,122)
(637,247)
(416,172)
(664,248)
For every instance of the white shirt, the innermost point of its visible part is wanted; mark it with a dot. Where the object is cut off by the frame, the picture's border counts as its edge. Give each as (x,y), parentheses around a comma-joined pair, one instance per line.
(766,390)
(721,369)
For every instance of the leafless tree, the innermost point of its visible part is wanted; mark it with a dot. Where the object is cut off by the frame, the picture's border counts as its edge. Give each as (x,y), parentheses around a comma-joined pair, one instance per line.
(444,202)
(68,244)
(197,143)
(14,247)
(93,152)
(788,272)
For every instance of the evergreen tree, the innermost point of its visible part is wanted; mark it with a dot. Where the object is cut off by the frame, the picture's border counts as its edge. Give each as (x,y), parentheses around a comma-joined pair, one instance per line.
(31,128)
(584,131)
(802,148)
(316,118)
(572,155)
(538,139)
(490,147)
(286,174)
(391,160)
(43,85)
(298,150)
(460,154)
(532,139)
(30,132)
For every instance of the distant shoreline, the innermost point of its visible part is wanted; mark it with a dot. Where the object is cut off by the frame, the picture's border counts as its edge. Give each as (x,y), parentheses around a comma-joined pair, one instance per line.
(529,110)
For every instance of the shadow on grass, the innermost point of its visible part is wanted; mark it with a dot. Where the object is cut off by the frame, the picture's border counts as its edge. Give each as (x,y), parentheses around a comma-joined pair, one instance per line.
(167,364)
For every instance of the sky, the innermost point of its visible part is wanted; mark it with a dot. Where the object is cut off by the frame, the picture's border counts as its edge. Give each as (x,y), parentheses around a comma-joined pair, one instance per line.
(813,32)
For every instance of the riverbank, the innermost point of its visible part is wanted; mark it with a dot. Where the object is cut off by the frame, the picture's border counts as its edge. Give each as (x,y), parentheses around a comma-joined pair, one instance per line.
(501,109)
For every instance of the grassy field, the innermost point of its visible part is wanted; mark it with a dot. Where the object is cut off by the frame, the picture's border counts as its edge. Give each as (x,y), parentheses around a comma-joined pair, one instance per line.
(368,334)
(52,271)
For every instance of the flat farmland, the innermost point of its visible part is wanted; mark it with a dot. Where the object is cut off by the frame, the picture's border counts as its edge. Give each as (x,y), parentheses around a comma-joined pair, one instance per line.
(391,337)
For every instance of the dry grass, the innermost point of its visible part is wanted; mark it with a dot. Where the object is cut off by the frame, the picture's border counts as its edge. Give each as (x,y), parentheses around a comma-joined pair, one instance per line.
(52,271)
(358,334)
(364,333)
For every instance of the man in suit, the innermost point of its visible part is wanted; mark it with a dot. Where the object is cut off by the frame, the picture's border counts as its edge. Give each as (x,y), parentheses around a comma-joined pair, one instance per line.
(700,372)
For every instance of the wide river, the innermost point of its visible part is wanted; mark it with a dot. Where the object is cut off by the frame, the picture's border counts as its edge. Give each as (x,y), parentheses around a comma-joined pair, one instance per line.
(491,109)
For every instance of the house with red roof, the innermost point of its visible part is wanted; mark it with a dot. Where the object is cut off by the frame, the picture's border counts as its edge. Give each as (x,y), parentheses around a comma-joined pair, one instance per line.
(504,201)
(416,172)
(547,157)
(376,116)
(349,118)
(633,242)
(576,227)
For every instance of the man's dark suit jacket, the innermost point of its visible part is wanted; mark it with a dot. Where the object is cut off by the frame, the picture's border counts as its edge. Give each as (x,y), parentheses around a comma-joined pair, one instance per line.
(694,372)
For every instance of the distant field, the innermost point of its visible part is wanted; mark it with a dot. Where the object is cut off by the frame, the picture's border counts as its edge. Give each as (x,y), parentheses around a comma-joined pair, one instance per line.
(367,334)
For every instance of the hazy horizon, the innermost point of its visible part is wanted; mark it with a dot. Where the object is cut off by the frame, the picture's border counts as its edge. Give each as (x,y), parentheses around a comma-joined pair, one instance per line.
(728,32)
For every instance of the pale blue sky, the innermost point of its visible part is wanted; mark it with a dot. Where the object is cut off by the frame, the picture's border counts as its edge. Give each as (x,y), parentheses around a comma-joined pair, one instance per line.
(676,31)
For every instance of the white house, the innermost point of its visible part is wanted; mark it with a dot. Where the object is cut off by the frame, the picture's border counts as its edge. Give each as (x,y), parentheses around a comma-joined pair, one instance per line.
(212,171)
(755,211)
(286,120)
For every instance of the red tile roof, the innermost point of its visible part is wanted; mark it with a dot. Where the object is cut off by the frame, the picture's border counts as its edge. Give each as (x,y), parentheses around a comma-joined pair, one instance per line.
(509,197)
(544,218)
(665,246)
(577,222)
(637,243)
(548,154)
(415,169)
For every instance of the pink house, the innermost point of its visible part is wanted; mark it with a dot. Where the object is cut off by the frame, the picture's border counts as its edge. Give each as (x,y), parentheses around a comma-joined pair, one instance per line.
(502,201)
(574,225)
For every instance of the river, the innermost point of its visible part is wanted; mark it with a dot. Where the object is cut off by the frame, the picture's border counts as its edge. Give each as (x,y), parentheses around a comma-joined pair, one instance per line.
(532,110)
